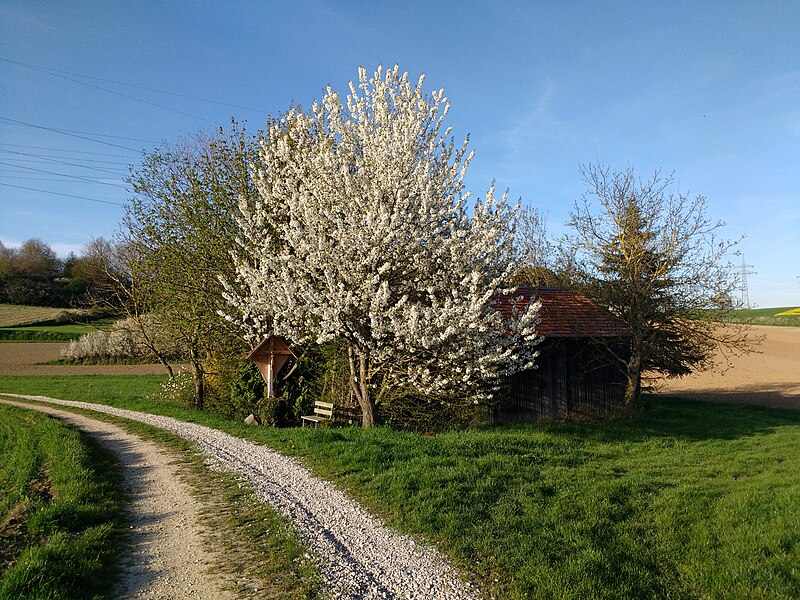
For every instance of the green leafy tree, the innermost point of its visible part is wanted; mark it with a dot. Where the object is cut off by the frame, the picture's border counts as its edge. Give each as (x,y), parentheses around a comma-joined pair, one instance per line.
(178,230)
(29,275)
(654,259)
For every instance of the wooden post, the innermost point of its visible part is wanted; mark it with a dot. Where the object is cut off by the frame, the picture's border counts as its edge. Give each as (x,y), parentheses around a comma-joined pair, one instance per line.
(270,378)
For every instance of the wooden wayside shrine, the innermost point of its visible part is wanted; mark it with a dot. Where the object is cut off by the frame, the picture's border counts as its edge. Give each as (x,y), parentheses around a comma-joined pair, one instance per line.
(270,356)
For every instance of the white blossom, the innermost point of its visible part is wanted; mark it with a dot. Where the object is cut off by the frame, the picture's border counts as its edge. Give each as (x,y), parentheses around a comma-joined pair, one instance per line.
(362,232)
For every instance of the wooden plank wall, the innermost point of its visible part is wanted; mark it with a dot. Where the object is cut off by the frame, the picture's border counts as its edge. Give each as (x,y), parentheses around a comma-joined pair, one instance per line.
(575,378)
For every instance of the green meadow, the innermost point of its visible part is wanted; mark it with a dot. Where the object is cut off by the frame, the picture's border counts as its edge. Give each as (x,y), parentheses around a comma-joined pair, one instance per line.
(685,500)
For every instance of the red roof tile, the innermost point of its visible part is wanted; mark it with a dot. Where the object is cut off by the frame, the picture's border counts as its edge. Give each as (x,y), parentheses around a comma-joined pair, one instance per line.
(564,313)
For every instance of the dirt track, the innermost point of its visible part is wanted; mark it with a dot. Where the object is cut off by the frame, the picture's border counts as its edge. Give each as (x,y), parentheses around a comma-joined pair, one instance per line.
(770,377)
(22,359)
(167,558)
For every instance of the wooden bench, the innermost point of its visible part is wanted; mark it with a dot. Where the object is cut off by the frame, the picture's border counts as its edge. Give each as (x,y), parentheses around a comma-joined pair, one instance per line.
(323,411)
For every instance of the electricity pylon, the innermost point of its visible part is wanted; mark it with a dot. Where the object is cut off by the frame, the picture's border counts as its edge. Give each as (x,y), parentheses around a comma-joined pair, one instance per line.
(744,274)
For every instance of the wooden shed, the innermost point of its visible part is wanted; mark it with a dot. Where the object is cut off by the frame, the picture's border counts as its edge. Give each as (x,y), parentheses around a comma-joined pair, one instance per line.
(576,372)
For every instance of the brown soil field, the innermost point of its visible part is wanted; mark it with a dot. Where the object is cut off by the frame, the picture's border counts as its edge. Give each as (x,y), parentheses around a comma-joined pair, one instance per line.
(770,376)
(22,359)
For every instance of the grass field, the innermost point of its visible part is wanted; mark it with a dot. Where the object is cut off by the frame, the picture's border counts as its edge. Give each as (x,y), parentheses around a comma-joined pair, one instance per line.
(44,333)
(684,500)
(764,316)
(59,510)
(38,324)
(14,315)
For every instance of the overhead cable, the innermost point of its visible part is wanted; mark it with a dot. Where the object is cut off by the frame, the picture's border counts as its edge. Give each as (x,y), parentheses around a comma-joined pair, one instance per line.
(61,162)
(133,85)
(99,87)
(78,177)
(70,150)
(22,187)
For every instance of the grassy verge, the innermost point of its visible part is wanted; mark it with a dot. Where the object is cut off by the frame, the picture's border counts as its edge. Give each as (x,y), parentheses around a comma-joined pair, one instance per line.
(761,316)
(59,510)
(687,499)
(116,390)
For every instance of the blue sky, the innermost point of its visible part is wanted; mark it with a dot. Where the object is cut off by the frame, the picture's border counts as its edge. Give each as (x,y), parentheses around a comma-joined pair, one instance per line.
(708,90)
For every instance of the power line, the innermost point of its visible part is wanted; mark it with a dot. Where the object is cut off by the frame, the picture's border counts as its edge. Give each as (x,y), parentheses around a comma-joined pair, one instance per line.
(60,157)
(99,87)
(67,150)
(133,85)
(40,157)
(78,177)
(21,187)
(61,162)
(73,134)
(37,179)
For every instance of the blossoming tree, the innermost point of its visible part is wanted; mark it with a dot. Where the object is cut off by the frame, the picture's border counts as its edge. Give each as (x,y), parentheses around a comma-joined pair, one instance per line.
(362,233)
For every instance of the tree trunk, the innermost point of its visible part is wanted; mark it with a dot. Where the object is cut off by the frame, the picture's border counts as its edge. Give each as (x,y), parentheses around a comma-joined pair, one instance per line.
(633,387)
(359,383)
(198,374)
(199,389)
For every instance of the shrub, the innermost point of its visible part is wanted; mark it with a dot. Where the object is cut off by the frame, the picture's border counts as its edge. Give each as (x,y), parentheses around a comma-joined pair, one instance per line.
(247,391)
(321,373)
(274,411)
(123,340)
(66,317)
(413,411)
(177,390)
(118,342)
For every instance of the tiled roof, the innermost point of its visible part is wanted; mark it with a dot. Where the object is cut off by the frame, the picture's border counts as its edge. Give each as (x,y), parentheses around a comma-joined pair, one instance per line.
(564,313)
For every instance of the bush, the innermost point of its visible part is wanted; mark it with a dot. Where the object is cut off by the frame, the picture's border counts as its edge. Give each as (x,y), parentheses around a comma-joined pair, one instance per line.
(412,411)
(123,340)
(119,342)
(247,391)
(66,317)
(275,412)
(177,390)
(321,373)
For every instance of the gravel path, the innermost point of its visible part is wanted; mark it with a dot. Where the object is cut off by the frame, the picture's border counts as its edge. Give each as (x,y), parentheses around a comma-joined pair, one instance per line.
(358,556)
(167,558)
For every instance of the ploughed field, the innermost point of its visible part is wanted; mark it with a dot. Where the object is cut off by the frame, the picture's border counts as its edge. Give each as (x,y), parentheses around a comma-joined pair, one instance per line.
(770,376)
(26,359)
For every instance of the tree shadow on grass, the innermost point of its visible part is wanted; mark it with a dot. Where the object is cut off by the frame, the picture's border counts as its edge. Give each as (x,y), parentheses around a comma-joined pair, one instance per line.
(672,418)
(773,395)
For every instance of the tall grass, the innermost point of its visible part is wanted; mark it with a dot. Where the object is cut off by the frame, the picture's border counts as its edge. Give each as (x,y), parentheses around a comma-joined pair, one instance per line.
(60,510)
